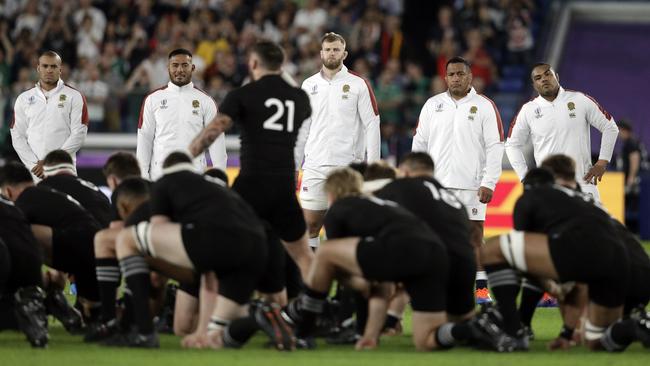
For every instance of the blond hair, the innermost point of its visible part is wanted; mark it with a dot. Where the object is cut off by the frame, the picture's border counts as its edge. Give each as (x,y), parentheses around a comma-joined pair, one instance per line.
(332,37)
(344,182)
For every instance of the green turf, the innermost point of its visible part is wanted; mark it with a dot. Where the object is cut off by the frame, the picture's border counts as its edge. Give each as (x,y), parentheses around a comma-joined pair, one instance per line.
(70,350)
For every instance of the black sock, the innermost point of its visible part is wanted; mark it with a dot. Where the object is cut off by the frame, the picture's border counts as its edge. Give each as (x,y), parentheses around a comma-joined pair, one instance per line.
(531,293)
(108,279)
(391,321)
(127,314)
(505,284)
(481,284)
(312,304)
(136,273)
(619,335)
(240,331)
(362,313)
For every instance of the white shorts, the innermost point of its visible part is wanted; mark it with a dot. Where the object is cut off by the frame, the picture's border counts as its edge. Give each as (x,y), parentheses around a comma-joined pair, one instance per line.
(591,190)
(475,209)
(312,188)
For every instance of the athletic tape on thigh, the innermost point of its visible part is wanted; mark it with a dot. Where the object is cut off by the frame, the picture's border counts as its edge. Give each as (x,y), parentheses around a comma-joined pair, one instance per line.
(216,323)
(512,247)
(142,233)
(593,332)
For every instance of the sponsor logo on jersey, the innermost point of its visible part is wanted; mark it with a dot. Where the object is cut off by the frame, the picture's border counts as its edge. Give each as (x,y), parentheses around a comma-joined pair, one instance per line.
(439,107)
(538,113)
(474,211)
(305,189)
(31,100)
(163,104)
(314,90)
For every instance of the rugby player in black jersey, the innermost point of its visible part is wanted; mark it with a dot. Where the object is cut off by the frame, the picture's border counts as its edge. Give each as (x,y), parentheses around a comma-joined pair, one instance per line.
(20,277)
(563,236)
(270,113)
(64,230)
(207,230)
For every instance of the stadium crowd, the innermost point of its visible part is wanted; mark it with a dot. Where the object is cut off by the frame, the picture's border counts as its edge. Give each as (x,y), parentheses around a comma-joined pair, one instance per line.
(115,52)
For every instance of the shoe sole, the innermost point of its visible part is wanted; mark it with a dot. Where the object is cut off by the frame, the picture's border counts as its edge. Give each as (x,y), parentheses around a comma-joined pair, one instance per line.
(273,324)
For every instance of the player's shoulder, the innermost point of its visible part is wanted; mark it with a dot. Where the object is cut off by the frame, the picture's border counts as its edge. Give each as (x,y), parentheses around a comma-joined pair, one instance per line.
(486,101)
(25,95)
(69,89)
(155,94)
(202,94)
(434,100)
(311,80)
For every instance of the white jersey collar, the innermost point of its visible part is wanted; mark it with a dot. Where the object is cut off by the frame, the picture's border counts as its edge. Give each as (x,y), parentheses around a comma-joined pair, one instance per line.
(173,87)
(542,101)
(59,86)
(341,74)
(471,94)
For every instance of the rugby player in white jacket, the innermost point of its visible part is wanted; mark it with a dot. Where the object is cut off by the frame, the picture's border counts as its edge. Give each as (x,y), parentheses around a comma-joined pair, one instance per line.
(463,133)
(558,122)
(171,116)
(49,116)
(343,128)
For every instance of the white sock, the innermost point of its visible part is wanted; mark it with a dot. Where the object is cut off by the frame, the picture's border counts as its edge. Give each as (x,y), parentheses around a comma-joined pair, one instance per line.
(481,275)
(314,242)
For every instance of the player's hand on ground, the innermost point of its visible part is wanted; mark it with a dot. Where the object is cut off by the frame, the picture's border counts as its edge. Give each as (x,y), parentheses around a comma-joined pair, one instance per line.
(560,343)
(485,194)
(366,343)
(194,340)
(596,172)
(213,339)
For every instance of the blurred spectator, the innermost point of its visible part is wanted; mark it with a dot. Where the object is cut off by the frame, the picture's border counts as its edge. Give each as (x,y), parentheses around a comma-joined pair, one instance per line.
(632,159)
(389,94)
(310,19)
(97,19)
(520,41)
(481,61)
(448,49)
(392,40)
(96,91)
(30,18)
(417,92)
(57,35)
(443,30)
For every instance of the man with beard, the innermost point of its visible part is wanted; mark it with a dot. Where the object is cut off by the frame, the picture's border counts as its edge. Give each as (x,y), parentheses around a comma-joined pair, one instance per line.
(343,128)
(463,133)
(558,121)
(172,115)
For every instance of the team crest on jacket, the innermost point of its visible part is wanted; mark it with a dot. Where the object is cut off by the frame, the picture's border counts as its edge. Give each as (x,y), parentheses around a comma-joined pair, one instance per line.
(62,98)
(473,109)
(572,108)
(195,103)
(346,88)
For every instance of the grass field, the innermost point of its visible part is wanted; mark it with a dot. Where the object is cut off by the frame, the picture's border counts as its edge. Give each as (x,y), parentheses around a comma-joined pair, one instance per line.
(70,350)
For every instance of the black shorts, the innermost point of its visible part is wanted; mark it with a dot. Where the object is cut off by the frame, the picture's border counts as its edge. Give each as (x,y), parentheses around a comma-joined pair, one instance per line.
(595,257)
(462,279)
(73,251)
(237,257)
(420,263)
(275,201)
(273,278)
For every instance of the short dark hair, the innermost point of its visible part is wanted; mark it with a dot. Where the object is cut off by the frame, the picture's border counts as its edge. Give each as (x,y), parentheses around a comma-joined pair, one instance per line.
(56,157)
(270,53)
(121,164)
(217,173)
(458,60)
(624,125)
(14,173)
(179,51)
(418,161)
(359,167)
(539,64)
(561,166)
(49,53)
(379,170)
(538,176)
(176,157)
(332,37)
(132,188)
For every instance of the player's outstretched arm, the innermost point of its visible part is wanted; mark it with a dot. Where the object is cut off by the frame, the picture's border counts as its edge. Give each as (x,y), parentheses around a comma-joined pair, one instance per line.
(211,132)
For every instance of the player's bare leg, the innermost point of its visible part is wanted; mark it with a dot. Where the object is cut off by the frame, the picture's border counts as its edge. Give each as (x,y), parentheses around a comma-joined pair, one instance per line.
(314,220)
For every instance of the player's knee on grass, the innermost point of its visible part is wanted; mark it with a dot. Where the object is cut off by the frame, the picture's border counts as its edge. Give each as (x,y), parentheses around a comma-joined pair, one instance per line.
(185,313)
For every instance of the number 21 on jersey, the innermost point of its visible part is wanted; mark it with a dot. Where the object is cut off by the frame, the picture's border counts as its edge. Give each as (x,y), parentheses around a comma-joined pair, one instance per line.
(273,122)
